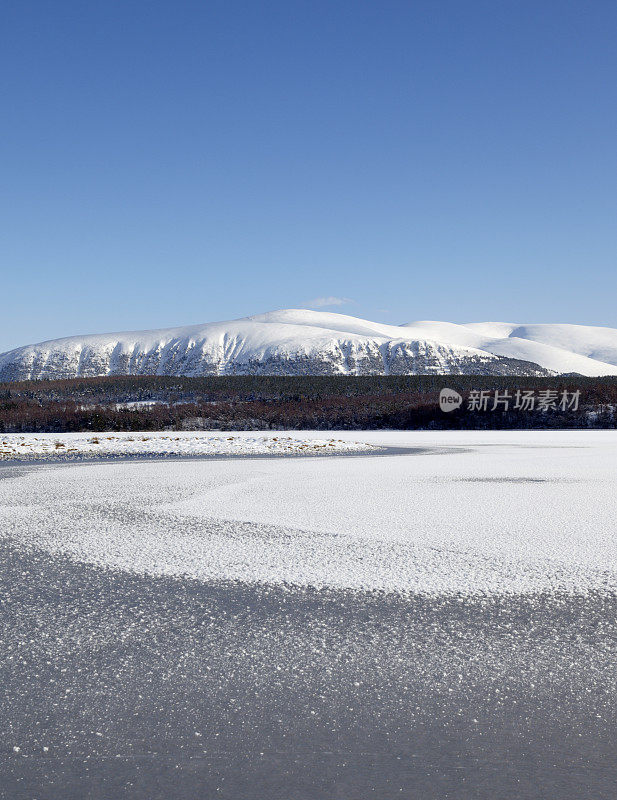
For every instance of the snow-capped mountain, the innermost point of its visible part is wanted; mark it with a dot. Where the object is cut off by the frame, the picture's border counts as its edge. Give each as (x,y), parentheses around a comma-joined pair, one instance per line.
(302,342)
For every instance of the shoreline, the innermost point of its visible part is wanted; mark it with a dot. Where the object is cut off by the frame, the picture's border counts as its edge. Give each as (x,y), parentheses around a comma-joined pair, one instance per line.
(53,459)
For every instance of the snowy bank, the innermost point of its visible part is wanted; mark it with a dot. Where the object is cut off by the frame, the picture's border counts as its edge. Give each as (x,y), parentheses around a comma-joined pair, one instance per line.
(63,446)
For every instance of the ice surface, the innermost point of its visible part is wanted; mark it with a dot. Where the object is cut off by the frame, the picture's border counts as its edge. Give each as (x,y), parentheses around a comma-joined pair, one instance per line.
(465,512)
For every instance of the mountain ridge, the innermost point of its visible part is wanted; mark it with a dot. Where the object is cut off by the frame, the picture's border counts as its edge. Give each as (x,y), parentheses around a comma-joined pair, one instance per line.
(307,342)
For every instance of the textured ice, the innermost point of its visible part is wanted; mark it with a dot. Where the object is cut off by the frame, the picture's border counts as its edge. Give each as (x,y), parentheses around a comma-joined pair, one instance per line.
(466,512)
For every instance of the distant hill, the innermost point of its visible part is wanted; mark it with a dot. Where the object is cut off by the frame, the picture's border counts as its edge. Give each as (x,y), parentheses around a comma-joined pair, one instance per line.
(303,342)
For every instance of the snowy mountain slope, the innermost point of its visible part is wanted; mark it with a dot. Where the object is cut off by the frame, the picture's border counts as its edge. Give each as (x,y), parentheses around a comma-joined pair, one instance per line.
(561,348)
(303,342)
(292,342)
(597,343)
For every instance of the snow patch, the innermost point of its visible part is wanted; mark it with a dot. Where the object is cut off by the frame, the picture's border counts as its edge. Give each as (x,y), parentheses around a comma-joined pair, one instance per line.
(30,446)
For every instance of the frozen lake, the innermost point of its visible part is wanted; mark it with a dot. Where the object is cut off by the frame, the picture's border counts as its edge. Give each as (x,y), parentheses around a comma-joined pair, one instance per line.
(437,623)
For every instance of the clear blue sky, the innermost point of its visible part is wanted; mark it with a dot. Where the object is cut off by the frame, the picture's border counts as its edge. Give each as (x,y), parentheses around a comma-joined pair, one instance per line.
(167,163)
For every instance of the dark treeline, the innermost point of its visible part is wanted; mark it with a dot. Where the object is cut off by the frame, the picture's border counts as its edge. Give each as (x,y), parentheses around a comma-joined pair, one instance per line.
(320,402)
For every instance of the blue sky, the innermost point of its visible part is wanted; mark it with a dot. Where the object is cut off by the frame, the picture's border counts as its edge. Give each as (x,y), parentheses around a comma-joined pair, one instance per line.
(168,163)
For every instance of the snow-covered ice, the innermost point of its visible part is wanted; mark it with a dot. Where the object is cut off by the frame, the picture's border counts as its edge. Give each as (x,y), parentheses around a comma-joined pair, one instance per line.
(486,512)
(144,603)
